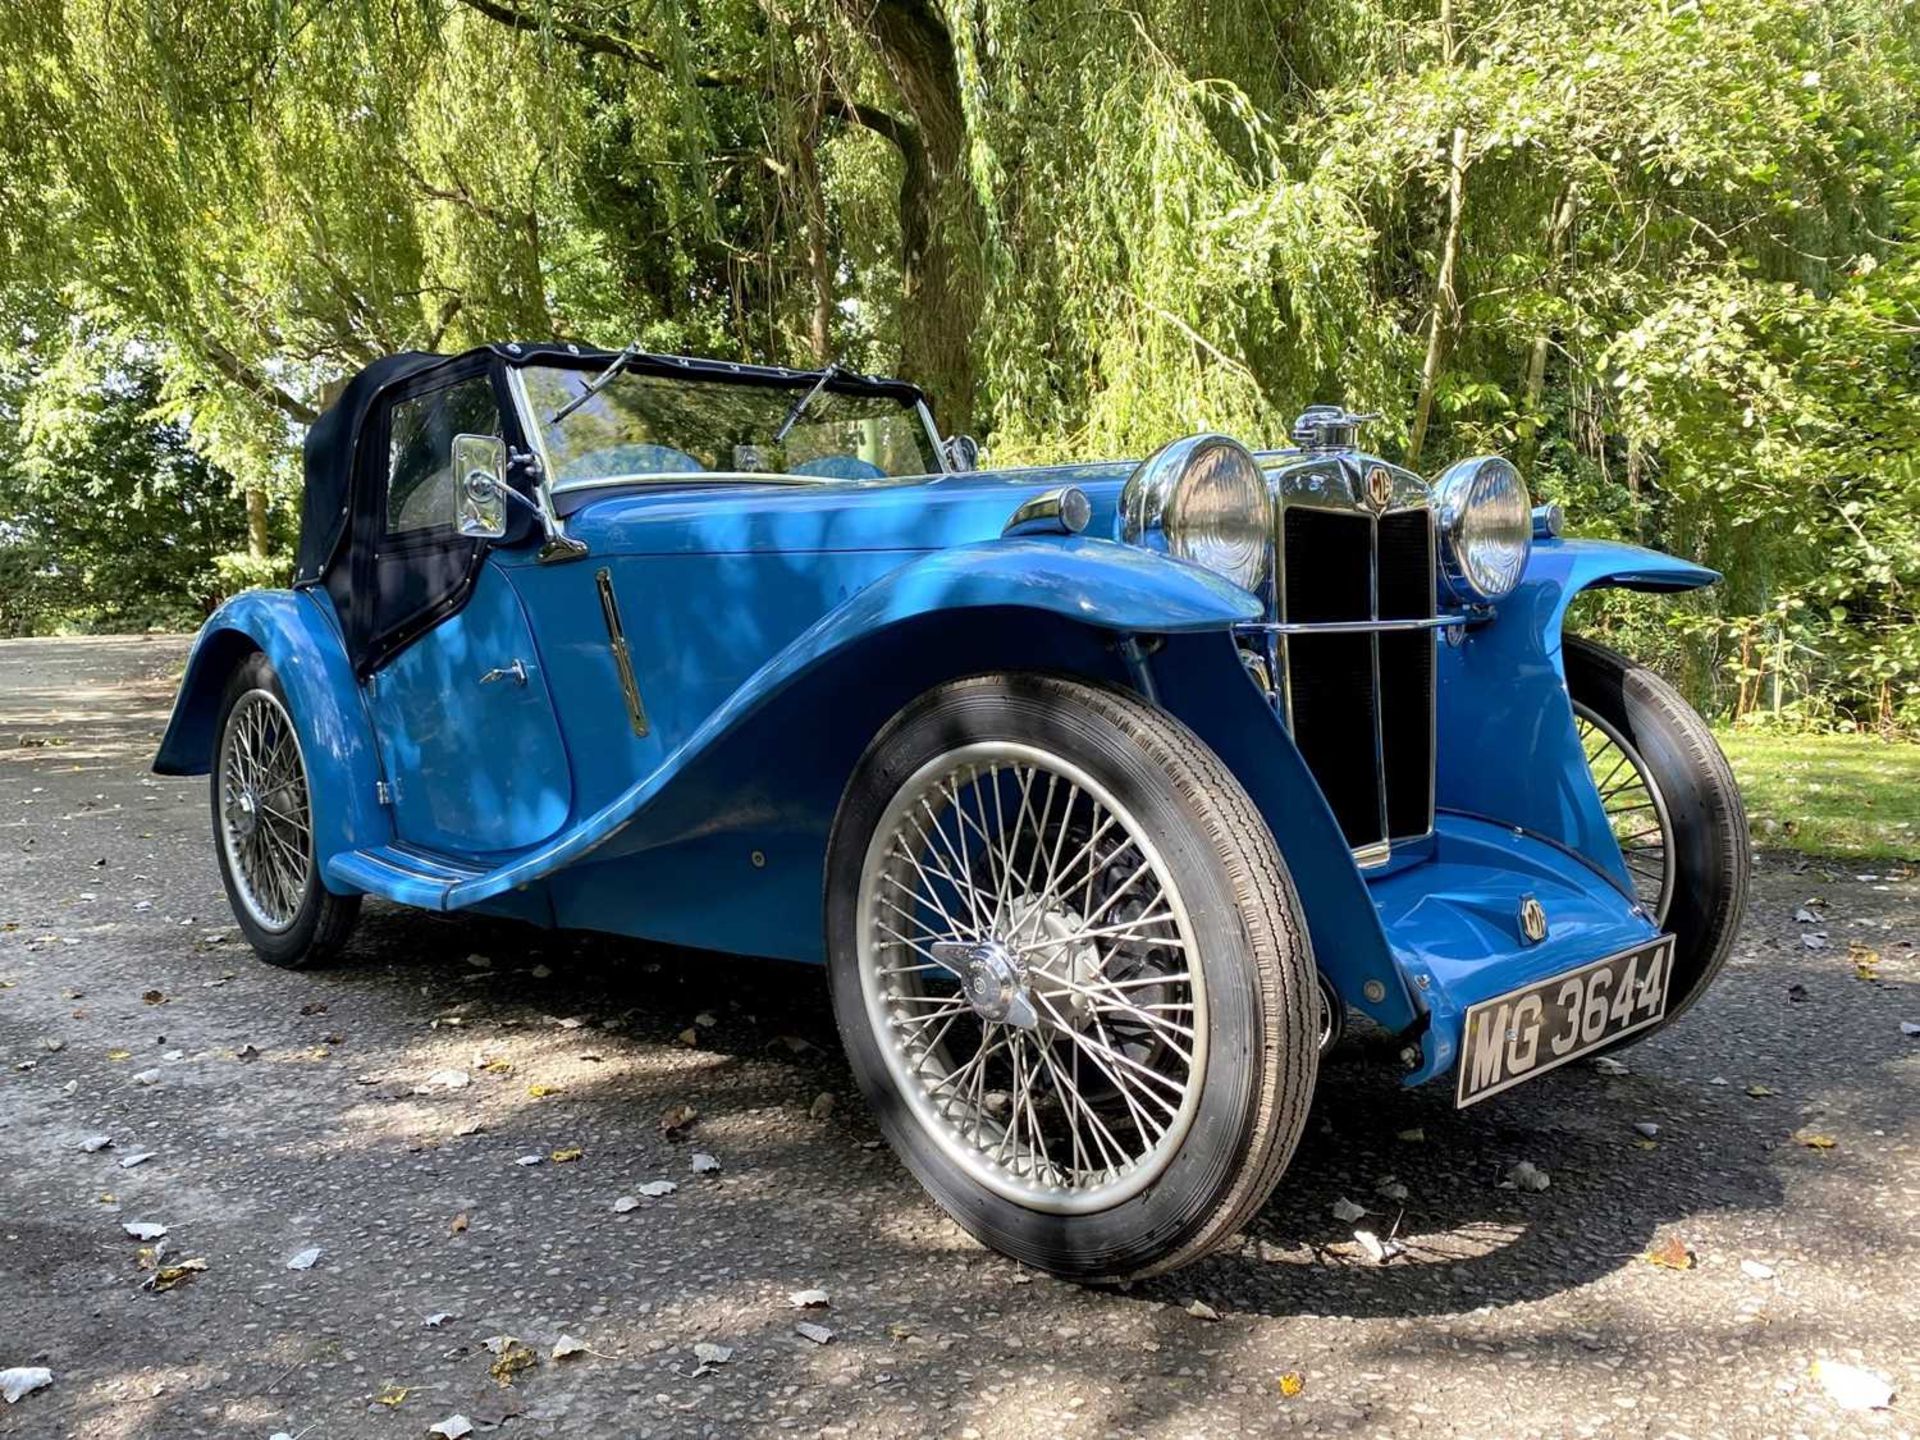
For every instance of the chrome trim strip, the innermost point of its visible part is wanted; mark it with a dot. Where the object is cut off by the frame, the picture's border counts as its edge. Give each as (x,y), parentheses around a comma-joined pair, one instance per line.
(622,659)
(1352,627)
(1064,511)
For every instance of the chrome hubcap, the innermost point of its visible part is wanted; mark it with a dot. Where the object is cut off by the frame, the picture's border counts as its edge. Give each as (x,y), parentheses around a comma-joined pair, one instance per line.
(1029,972)
(1636,810)
(266,827)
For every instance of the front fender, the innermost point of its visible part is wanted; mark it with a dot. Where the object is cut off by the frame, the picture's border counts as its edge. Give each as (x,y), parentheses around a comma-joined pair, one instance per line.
(1503,696)
(296,635)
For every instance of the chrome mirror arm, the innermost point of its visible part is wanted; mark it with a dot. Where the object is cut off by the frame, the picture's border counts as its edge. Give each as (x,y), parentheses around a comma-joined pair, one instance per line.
(556,546)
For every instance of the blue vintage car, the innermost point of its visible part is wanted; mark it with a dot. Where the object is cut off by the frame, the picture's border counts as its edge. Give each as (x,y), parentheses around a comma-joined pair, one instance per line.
(1103,792)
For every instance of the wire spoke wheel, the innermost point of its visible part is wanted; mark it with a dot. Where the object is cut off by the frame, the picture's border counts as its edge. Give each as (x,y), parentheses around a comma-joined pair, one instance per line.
(1030,972)
(265,820)
(1635,808)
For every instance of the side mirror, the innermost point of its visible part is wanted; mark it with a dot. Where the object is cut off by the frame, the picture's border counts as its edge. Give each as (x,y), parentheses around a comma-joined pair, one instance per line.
(962,452)
(480,486)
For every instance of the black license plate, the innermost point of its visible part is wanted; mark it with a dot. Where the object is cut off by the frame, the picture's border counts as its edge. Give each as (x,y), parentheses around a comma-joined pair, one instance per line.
(1529,1031)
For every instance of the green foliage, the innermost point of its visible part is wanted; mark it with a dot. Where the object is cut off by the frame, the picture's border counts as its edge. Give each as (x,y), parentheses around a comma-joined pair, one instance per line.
(1678,245)
(109,520)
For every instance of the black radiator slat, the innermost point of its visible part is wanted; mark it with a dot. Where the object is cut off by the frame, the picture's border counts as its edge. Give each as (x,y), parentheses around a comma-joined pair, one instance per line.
(1332,679)
(1406,671)
(1328,557)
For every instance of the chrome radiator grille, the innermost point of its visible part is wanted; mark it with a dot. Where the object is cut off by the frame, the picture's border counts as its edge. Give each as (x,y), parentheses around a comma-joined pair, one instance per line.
(1360,702)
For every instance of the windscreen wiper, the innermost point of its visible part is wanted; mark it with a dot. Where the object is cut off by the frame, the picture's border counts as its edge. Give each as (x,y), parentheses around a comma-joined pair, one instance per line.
(800,405)
(597,384)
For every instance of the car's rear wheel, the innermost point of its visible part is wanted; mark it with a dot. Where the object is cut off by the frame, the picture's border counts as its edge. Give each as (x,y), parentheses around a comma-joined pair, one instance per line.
(263,827)
(1675,809)
(1071,973)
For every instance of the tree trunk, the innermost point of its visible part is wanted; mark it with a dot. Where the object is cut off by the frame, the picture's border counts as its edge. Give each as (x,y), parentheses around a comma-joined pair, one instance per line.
(1559,228)
(813,202)
(942,231)
(258,541)
(1446,303)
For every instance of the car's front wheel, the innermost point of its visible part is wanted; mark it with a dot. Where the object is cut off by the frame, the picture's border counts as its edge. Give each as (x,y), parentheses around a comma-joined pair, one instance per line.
(263,827)
(1071,973)
(1675,810)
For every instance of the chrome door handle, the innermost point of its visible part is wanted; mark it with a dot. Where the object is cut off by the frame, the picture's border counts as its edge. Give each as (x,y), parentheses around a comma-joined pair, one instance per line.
(516,672)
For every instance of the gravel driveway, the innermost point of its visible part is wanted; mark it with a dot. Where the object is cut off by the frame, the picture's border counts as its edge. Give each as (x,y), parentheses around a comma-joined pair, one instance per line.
(386,1112)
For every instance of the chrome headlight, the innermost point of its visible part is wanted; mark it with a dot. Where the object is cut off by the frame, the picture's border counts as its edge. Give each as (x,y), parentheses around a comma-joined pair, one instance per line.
(1486,522)
(1204,499)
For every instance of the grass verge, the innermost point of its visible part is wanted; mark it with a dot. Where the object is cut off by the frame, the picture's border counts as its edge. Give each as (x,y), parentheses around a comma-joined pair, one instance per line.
(1852,796)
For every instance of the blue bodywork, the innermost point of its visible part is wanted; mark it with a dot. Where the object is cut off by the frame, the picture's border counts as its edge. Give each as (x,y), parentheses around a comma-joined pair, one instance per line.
(774,629)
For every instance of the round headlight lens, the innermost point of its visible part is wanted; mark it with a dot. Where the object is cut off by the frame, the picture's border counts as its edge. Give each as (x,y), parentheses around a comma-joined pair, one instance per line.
(1487,518)
(1218,516)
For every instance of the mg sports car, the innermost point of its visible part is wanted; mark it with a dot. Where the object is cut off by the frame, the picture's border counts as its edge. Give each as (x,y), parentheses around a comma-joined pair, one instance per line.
(1104,793)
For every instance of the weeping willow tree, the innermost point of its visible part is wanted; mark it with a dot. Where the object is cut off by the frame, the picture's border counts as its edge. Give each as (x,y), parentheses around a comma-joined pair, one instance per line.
(1661,252)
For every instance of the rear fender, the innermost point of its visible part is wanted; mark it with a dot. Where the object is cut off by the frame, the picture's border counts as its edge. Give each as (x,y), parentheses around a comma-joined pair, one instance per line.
(1503,693)
(297,636)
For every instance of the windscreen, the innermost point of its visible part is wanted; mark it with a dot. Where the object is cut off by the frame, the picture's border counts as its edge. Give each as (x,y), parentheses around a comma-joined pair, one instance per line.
(652,427)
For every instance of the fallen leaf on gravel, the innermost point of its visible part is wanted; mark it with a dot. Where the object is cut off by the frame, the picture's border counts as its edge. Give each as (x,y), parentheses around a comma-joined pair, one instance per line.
(1414,1136)
(1345,1211)
(567,1156)
(1866,961)
(1815,940)
(95,1143)
(1526,1176)
(139,1157)
(1760,1092)
(1909,1029)
(626,1205)
(305,1259)
(147,1077)
(1646,1128)
(155,997)
(1756,1270)
(529,1159)
(437,1319)
(676,1119)
(117,1055)
(469,1127)
(144,1229)
(689,1037)
(147,1257)
(454,1427)
(818,1334)
(808,1300)
(497,1065)
(654,1189)
(459,1225)
(393,1396)
(1806,916)
(708,1353)
(23,1380)
(822,1105)
(793,1043)
(54,1044)
(513,1358)
(1669,1254)
(1391,1188)
(1292,1383)
(566,1345)
(1607,1065)
(246,1053)
(1379,1251)
(540,972)
(704,1164)
(168,1276)
(1852,1388)
(1200,1310)
(1813,1139)
(541,1092)
(449,1080)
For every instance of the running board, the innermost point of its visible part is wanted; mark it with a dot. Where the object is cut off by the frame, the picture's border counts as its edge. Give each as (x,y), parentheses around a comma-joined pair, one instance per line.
(406,876)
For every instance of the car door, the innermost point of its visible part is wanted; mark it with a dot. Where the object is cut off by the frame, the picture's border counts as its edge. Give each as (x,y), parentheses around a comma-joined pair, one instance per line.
(471,747)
